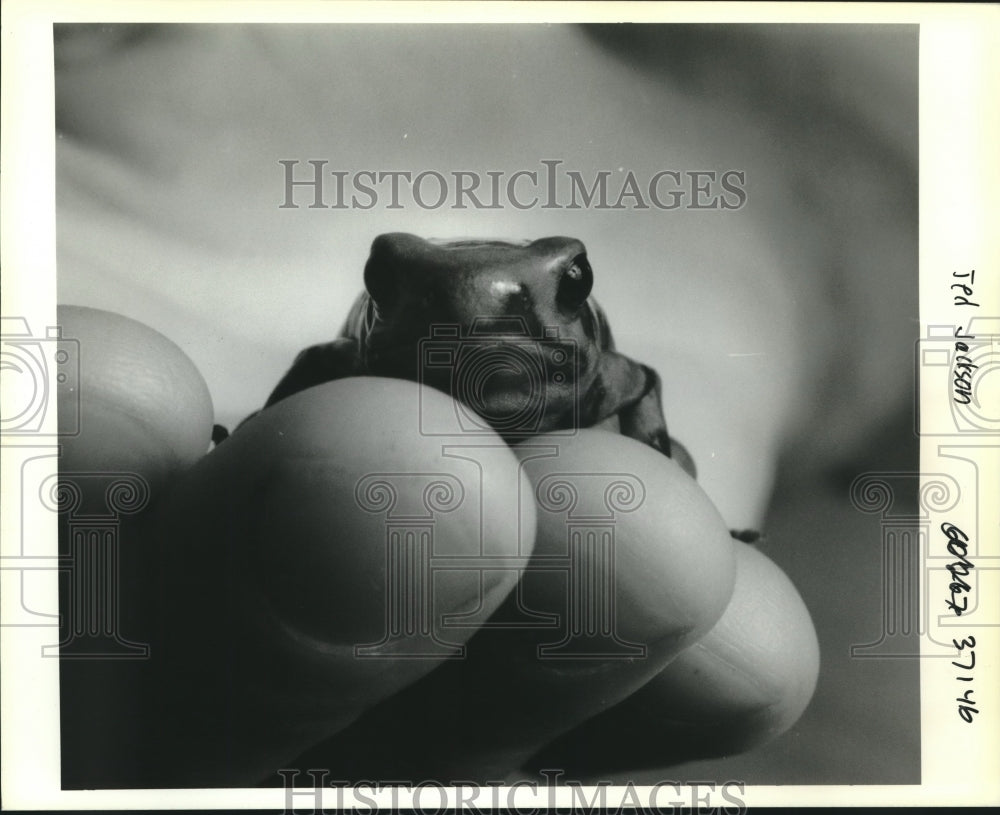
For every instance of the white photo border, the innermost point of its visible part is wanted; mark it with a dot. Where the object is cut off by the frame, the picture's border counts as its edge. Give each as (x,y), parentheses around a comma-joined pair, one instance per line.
(959,211)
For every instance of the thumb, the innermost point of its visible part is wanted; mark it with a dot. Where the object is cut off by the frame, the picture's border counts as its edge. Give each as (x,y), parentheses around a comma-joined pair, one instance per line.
(281,620)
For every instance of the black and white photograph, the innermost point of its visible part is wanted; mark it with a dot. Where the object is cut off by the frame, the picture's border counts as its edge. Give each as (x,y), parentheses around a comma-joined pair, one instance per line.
(481,406)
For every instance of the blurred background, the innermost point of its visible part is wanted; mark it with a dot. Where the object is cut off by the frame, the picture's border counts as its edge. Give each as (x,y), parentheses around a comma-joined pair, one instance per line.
(784,330)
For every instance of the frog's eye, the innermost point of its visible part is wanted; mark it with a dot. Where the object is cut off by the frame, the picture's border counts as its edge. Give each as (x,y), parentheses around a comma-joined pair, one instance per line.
(576,282)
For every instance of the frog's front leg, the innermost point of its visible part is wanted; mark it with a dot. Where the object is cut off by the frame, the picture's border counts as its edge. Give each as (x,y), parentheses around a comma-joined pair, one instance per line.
(630,392)
(313,366)
(636,389)
(643,420)
(318,364)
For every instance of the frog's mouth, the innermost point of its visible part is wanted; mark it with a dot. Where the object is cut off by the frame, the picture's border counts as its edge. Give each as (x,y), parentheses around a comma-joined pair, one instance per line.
(510,399)
(515,415)
(520,387)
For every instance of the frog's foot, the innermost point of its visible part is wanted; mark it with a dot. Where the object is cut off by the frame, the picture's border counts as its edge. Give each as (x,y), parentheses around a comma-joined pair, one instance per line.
(678,452)
(751,536)
(219,434)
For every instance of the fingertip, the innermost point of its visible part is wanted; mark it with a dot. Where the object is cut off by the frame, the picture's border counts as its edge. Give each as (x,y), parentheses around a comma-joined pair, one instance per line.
(342,497)
(130,400)
(751,677)
(309,535)
(672,557)
(746,682)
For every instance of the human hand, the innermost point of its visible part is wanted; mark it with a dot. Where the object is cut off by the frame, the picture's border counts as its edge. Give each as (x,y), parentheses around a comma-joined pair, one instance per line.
(252,578)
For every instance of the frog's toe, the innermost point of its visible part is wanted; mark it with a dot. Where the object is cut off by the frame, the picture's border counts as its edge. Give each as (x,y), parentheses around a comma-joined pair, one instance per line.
(678,452)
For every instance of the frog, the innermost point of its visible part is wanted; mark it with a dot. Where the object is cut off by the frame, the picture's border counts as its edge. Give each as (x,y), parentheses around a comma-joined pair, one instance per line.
(508,328)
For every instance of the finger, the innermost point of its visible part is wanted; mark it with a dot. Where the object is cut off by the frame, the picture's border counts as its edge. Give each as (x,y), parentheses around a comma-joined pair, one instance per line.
(523,685)
(278,612)
(134,413)
(743,684)
(129,400)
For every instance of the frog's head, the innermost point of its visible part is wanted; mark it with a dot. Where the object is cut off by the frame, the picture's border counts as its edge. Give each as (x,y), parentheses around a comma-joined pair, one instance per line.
(507,327)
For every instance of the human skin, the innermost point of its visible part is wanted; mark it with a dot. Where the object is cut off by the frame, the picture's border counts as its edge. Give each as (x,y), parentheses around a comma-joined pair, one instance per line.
(163,215)
(254,573)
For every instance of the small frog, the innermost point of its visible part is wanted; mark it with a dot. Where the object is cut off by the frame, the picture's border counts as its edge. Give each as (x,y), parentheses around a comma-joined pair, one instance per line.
(509,329)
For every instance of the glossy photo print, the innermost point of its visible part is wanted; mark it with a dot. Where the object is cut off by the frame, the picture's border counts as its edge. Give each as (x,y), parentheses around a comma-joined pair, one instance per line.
(455,411)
